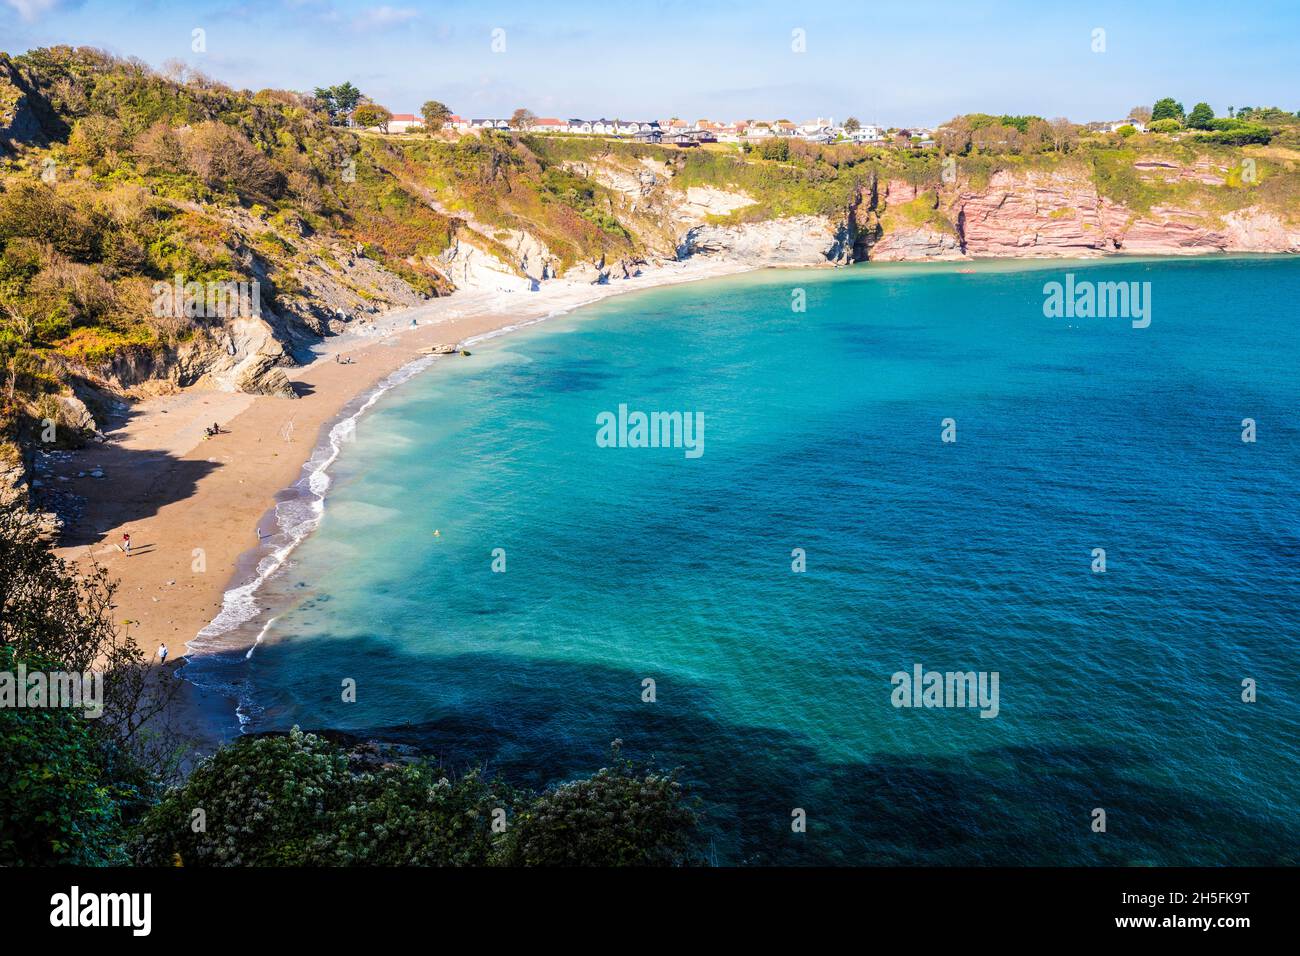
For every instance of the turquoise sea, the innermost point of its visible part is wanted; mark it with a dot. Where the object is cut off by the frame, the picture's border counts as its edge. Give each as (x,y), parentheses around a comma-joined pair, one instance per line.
(1119,690)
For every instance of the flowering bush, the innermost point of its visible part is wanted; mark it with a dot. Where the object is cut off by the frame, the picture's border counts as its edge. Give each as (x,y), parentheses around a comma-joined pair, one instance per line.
(299,800)
(616,817)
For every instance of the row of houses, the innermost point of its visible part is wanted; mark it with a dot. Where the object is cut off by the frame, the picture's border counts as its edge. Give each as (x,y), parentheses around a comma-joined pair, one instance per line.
(675,130)
(551,124)
(1114,126)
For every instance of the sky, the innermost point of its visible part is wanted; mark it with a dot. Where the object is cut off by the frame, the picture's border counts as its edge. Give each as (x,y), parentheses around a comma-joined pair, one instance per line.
(901,63)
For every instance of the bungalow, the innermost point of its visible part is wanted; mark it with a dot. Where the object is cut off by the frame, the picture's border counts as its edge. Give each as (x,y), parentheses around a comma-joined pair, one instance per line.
(579,126)
(549,124)
(648,136)
(401,122)
(684,140)
(867,134)
(817,127)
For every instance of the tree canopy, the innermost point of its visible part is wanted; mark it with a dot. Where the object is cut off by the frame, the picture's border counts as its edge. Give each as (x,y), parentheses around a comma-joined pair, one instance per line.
(371,114)
(1167,108)
(435,115)
(338,101)
(1200,116)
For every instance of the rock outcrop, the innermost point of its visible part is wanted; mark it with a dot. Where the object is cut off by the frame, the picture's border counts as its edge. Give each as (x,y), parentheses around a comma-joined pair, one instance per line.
(1062,214)
(797,240)
(23,114)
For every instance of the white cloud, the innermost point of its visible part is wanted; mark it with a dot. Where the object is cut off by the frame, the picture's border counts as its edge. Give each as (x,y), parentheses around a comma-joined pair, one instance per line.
(379,18)
(32,10)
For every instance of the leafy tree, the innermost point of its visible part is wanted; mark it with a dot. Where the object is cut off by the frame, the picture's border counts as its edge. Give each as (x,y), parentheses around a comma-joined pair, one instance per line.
(522,119)
(1140,114)
(371,114)
(1064,135)
(1200,116)
(67,783)
(1168,125)
(57,805)
(347,97)
(435,115)
(775,148)
(852,125)
(954,136)
(1167,108)
(338,101)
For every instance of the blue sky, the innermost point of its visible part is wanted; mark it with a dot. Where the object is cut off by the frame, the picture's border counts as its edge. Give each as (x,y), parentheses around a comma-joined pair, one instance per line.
(910,62)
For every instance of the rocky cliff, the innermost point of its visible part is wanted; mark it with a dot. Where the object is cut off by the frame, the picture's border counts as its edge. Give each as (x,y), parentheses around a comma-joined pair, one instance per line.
(1063,213)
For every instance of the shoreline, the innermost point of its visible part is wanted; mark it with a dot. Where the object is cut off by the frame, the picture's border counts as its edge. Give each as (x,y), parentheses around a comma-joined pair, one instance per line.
(197,509)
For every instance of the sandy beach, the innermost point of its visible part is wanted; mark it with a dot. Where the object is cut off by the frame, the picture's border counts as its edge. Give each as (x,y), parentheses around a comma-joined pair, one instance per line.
(193,505)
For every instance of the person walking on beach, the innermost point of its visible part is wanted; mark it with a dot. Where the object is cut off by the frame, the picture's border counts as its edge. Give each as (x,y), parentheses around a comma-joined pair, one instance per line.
(126,543)
(162,654)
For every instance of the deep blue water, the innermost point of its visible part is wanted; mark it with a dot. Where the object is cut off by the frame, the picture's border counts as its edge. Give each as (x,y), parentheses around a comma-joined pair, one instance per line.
(1119,690)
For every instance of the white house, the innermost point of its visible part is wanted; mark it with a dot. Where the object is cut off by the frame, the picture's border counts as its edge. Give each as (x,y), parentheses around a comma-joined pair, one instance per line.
(867,134)
(401,122)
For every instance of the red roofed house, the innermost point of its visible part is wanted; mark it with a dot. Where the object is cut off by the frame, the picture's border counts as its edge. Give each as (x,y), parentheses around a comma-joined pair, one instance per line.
(401,122)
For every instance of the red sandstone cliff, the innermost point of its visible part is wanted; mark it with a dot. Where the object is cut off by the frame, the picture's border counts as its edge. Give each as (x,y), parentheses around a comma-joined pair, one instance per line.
(1061,213)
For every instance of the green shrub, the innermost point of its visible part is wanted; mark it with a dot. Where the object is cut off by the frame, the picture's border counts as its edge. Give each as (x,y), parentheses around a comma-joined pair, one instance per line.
(617,817)
(300,800)
(57,803)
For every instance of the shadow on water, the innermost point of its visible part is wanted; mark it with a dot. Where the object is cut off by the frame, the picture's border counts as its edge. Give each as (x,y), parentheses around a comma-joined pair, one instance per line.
(537,722)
